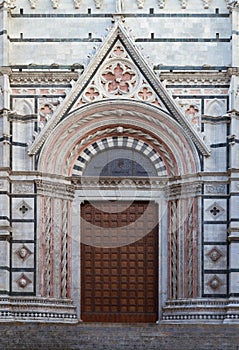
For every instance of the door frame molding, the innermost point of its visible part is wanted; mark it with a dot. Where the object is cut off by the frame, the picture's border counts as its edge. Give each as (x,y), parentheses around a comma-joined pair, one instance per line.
(156,195)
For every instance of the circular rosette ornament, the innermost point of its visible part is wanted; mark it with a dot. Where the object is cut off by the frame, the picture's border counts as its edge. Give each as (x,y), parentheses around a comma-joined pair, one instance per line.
(119,78)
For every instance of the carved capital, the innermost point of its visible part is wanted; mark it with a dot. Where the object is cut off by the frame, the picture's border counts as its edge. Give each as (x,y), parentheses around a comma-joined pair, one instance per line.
(51,189)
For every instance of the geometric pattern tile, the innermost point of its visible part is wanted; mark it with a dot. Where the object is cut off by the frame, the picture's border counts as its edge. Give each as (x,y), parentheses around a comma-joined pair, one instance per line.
(23,208)
(23,252)
(23,281)
(214,254)
(215,283)
(215,210)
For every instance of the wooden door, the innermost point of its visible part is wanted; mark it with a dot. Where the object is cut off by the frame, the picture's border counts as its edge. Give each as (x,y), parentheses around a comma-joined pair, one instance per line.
(120,283)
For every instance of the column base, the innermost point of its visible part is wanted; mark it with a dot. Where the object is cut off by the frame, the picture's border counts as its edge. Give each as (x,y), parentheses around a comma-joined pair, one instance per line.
(213,311)
(37,309)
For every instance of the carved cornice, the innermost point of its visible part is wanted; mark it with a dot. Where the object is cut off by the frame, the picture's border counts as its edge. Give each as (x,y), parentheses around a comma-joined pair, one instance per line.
(31,78)
(5,71)
(198,78)
(232,5)
(56,190)
(233,71)
(184,190)
(157,183)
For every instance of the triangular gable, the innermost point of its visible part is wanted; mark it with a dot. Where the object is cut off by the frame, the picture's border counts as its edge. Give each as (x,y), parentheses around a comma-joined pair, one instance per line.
(118,70)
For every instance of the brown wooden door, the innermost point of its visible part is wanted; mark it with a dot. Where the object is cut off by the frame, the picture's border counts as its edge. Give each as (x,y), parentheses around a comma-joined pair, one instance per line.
(119,283)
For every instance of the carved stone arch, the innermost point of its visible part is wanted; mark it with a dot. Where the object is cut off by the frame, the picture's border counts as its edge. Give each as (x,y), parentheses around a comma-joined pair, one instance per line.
(123,143)
(23,107)
(215,108)
(79,128)
(173,192)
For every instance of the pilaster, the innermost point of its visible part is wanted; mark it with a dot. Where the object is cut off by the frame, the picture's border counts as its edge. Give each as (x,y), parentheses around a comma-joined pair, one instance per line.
(5,233)
(4,41)
(54,238)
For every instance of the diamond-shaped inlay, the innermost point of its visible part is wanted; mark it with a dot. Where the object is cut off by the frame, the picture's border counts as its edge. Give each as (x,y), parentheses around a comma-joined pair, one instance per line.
(23,208)
(215,210)
(215,282)
(23,281)
(215,254)
(23,252)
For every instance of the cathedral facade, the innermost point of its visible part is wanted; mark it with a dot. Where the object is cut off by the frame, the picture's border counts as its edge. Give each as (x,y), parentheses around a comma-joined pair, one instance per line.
(119,161)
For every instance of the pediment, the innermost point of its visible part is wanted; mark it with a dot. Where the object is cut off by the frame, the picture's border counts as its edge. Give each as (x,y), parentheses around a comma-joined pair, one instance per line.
(118,71)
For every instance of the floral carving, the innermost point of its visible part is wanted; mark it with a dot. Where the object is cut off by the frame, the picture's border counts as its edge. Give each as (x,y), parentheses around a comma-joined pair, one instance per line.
(23,281)
(118,78)
(140,4)
(92,94)
(215,254)
(161,3)
(23,253)
(145,94)
(215,283)
(215,210)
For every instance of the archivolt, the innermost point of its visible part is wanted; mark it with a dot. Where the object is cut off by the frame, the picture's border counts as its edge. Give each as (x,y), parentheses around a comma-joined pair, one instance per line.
(80,128)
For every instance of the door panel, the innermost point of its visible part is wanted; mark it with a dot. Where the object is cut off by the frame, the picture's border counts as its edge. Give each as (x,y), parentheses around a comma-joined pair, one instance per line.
(120,283)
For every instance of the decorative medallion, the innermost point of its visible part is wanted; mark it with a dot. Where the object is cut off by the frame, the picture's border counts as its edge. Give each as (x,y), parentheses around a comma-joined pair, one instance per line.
(161,3)
(215,210)
(215,254)
(215,282)
(23,281)
(23,208)
(140,4)
(98,3)
(77,4)
(118,78)
(184,4)
(23,253)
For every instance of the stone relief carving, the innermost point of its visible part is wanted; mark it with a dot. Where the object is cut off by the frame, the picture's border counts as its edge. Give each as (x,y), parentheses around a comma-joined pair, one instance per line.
(232,4)
(23,281)
(23,188)
(55,3)
(98,3)
(64,252)
(184,4)
(215,283)
(77,4)
(206,3)
(192,110)
(119,6)
(215,254)
(119,77)
(23,208)
(23,106)
(33,3)
(215,108)
(140,4)
(46,108)
(214,189)
(215,210)
(23,252)
(161,3)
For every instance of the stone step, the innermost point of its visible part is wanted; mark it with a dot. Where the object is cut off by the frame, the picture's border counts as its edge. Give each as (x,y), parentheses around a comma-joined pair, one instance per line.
(90,336)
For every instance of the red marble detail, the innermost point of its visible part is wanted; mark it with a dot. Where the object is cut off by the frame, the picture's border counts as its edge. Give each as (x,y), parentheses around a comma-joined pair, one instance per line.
(118,79)
(119,51)
(192,113)
(145,94)
(92,94)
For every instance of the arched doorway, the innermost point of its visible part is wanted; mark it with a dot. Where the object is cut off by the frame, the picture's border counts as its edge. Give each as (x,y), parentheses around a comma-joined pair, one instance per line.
(139,159)
(119,237)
